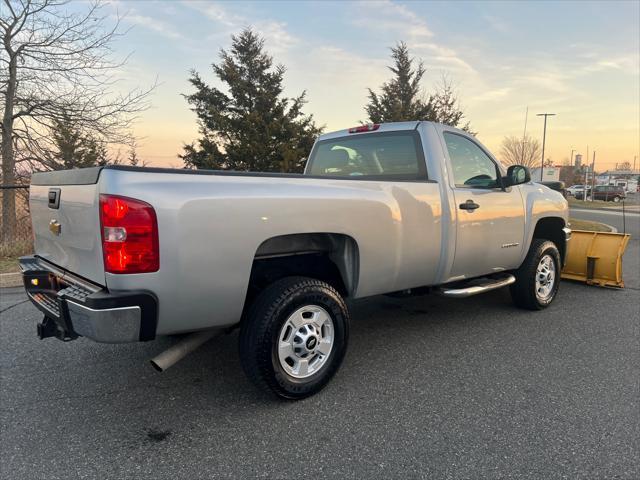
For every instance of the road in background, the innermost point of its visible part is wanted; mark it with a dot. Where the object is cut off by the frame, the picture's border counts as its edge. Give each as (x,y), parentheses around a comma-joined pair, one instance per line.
(431,387)
(615,218)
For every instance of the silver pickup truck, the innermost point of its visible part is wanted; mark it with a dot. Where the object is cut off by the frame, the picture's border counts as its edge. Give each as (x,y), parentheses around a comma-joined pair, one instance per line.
(126,254)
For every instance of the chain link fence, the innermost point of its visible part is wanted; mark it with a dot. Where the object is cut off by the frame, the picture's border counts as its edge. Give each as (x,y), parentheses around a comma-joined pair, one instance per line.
(20,241)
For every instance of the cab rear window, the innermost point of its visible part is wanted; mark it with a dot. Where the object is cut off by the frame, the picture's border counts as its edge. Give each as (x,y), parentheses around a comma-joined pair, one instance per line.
(377,156)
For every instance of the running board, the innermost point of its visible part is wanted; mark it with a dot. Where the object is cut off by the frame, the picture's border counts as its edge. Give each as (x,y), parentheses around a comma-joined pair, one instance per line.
(480,285)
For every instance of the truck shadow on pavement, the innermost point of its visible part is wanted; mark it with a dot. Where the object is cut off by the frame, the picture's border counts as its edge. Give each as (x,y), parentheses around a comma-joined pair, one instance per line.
(386,334)
(416,367)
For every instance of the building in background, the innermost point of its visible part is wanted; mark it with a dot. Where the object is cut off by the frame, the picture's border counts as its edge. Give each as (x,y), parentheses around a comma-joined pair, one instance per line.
(571,175)
(628,179)
(550,174)
(578,160)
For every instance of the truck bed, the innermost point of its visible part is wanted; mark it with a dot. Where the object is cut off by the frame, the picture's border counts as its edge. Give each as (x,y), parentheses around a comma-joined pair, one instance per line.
(211,222)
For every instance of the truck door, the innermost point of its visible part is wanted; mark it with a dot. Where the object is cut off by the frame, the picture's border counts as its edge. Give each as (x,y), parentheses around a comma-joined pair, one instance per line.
(490,219)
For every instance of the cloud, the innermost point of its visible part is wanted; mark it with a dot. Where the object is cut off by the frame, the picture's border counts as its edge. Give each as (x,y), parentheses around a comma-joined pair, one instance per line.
(595,57)
(336,92)
(439,56)
(278,39)
(216,12)
(498,24)
(154,24)
(625,63)
(491,95)
(387,15)
(404,24)
(132,16)
(548,80)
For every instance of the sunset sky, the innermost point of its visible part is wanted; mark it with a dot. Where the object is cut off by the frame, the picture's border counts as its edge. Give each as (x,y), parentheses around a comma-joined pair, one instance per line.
(579,60)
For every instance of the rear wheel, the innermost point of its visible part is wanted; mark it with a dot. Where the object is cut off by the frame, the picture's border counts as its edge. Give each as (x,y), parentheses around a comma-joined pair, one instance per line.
(294,337)
(538,278)
(616,199)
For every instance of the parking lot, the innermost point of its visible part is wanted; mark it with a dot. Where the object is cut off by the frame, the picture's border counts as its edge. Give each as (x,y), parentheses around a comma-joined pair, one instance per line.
(431,387)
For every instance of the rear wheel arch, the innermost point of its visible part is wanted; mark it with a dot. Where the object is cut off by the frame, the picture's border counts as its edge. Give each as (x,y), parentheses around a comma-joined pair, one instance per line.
(330,257)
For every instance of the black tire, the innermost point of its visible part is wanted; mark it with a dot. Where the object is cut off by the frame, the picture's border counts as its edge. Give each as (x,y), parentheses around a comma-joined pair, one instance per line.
(261,327)
(523,291)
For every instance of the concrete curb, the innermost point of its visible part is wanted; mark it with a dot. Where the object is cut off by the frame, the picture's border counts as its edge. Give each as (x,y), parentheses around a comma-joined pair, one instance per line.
(10,280)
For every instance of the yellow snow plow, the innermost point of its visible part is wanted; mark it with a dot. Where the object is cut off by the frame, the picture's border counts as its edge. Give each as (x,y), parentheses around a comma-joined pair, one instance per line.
(596,258)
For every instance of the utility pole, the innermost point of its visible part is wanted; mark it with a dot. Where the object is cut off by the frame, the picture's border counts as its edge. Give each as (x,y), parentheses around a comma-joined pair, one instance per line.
(544,138)
(593,175)
(586,176)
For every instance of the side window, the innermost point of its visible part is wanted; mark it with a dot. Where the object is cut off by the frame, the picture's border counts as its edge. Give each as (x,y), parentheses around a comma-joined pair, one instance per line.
(380,156)
(472,167)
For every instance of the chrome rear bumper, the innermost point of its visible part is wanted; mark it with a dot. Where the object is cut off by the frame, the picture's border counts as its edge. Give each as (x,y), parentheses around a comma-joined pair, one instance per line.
(75,307)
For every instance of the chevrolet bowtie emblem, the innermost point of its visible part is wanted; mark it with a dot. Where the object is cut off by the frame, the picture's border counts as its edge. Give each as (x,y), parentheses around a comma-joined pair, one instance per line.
(55,227)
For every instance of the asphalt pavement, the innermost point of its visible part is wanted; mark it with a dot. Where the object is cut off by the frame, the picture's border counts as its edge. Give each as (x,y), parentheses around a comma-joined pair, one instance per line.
(431,387)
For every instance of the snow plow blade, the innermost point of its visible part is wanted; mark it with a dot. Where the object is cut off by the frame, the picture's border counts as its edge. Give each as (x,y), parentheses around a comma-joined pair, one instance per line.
(596,258)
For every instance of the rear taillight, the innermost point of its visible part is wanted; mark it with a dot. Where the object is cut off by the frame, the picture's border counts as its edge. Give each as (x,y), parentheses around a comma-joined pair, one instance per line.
(129,235)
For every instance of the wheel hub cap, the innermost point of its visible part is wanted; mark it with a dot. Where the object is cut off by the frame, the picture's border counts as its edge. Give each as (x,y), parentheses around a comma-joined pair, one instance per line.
(305,341)
(545,277)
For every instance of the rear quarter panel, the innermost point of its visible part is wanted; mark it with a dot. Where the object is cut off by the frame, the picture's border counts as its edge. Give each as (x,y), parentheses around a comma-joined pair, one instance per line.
(211,226)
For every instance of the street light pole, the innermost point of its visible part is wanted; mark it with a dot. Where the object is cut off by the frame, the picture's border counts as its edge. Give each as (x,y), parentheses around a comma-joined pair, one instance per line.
(544,138)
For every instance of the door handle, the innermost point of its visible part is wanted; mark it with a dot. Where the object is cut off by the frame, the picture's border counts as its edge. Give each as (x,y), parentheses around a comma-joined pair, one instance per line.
(469,205)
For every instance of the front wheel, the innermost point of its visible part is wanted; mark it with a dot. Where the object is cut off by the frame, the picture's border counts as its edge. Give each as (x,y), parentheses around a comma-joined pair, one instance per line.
(538,278)
(294,337)
(616,199)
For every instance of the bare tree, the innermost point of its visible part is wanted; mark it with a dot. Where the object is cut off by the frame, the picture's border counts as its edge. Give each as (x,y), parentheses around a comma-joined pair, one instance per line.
(446,106)
(623,166)
(57,65)
(520,151)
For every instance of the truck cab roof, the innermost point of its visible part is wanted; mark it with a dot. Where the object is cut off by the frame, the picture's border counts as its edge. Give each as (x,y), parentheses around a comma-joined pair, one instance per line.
(378,127)
(384,127)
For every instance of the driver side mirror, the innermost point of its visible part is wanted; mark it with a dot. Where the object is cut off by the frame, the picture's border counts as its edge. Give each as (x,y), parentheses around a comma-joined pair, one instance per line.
(516,175)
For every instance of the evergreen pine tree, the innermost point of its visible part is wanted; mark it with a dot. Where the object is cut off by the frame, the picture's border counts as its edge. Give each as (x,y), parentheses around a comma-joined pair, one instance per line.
(73,149)
(402,98)
(132,156)
(252,126)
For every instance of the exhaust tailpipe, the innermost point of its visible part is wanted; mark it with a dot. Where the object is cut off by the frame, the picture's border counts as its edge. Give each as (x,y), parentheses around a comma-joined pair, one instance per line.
(184,347)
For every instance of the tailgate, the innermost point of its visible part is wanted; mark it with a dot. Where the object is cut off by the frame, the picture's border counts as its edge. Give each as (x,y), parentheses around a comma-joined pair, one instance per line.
(66,222)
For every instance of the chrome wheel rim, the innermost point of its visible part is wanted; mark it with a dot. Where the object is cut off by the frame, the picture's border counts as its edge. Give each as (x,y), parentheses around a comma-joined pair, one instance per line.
(305,341)
(545,278)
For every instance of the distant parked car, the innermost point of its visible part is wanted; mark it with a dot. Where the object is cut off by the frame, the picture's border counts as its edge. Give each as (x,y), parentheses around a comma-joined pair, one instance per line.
(575,189)
(608,193)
